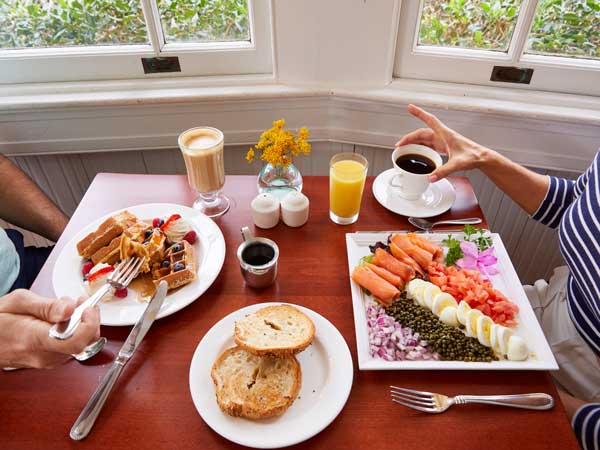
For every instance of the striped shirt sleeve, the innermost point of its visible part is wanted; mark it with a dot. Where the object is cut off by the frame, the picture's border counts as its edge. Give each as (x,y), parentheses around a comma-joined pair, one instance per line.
(559,196)
(586,424)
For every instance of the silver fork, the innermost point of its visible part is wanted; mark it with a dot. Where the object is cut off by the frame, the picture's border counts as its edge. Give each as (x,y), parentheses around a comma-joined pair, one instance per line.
(431,402)
(119,278)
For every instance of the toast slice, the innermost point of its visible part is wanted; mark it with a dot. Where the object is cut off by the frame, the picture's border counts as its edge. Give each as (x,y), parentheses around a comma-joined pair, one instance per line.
(275,330)
(106,232)
(255,387)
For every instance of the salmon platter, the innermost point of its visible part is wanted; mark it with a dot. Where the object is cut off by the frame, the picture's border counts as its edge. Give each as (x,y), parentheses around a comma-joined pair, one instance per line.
(441,301)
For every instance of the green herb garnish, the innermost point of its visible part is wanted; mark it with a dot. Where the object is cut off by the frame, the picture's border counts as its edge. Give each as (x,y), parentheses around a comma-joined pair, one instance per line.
(454,251)
(477,235)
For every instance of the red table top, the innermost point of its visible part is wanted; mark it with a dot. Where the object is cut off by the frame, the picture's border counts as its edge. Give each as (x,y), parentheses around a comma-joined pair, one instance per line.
(151,406)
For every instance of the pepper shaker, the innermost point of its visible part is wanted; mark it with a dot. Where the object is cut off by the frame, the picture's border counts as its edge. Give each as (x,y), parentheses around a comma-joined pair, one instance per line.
(265,210)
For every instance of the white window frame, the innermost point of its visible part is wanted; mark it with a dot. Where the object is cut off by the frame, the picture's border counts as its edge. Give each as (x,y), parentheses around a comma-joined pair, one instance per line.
(551,73)
(110,62)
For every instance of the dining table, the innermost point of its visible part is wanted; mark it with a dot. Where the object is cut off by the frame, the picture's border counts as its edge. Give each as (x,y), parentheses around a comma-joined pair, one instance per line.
(151,406)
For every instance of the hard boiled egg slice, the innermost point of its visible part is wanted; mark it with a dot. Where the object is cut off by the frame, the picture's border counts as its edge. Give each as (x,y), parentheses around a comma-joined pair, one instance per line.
(430,293)
(484,327)
(503,334)
(494,339)
(415,287)
(448,316)
(517,349)
(462,311)
(471,325)
(441,301)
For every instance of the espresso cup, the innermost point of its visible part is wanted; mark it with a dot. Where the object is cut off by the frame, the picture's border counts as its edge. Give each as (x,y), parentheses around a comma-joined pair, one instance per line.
(410,185)
(258,260)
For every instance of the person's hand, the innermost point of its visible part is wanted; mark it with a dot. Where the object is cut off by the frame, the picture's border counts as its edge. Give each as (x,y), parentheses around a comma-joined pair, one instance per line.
(463,153)
(25,319)
(571,404)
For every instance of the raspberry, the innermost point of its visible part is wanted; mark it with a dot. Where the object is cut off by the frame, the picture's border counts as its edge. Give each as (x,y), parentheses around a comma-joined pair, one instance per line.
(190,237)
(87,267)
(120,293)
(157,222)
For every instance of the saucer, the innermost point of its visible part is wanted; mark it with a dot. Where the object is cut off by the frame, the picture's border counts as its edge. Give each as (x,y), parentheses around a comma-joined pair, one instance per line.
(438,198)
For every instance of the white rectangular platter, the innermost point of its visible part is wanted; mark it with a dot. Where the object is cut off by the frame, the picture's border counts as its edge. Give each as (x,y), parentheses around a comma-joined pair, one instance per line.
(506,281)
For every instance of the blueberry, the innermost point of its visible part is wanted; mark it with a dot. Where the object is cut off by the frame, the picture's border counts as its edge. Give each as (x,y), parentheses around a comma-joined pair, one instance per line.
(177,248)
(165,263)
(178,267)
(147,234)
(161,222)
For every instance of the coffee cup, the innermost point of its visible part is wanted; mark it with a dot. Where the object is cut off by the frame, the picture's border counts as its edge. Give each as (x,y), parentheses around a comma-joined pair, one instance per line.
(413,164)
(258,260)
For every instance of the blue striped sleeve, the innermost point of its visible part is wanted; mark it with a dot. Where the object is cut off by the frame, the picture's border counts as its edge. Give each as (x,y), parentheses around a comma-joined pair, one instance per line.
(586,424)
(558,198)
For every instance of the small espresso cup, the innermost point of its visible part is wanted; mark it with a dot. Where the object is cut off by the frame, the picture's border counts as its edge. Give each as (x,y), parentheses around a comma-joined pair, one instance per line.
(411,185)
(258,260)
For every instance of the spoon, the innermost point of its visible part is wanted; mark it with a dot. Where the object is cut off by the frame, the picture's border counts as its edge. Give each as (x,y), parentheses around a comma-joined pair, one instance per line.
(427,225)
(89,352)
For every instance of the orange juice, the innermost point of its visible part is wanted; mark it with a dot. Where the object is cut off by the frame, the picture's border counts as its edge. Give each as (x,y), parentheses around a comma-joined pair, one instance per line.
(346,183)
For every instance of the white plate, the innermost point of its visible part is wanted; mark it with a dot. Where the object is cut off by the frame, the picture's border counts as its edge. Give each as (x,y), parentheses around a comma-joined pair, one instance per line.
(326,382)
(210,252)
(506,282)
(438,198)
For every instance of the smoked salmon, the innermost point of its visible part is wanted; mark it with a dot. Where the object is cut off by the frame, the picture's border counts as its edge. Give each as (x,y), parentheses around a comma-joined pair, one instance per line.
(421,256)
(382,290)
(401,255)
(426,244)
(387,275)
(387,261)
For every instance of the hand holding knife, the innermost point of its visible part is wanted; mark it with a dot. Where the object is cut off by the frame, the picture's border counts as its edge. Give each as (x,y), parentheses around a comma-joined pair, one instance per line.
(87,418)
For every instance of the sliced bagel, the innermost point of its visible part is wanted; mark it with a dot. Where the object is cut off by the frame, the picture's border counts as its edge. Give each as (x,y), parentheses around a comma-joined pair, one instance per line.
(275,330)
(255,387)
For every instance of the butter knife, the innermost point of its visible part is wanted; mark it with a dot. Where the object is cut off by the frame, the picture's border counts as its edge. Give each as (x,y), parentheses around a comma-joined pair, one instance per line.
(87,418)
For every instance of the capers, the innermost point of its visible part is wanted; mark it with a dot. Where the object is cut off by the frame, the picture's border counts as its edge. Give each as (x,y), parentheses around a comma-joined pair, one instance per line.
(449,342)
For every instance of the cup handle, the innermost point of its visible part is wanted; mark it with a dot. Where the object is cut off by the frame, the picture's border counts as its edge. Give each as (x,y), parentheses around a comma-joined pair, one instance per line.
(246,233)
(399,185)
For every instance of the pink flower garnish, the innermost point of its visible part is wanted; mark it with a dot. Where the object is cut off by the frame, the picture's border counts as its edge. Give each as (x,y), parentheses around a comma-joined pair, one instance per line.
(484,261)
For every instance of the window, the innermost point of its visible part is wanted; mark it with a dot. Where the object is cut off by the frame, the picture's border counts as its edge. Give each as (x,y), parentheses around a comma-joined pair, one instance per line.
(463,40)
(60,40)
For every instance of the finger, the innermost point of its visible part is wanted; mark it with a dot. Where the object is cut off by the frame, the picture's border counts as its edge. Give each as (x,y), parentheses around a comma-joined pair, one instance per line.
(85,333)
(91,318)
(431,121)
(422,136)
(50,310)
(443,171)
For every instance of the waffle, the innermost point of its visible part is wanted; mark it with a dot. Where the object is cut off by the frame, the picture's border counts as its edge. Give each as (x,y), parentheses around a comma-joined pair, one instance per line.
(110,254)
(153,249)
(106,232)
(175,279)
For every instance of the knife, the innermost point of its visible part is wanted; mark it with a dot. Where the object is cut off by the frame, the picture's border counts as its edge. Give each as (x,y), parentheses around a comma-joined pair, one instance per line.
(87,418)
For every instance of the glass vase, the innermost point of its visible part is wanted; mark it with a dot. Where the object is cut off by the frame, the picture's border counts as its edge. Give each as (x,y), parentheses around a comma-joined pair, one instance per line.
(279,180)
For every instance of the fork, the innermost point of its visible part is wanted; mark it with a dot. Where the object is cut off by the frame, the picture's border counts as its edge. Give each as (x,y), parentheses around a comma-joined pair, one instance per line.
(431,402)
(119,278)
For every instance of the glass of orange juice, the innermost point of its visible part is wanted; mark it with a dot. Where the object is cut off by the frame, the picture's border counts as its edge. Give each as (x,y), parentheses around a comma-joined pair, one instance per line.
(347,173)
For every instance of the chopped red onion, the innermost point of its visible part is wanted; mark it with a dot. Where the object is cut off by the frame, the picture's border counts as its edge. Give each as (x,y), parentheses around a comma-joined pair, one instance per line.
(390,341)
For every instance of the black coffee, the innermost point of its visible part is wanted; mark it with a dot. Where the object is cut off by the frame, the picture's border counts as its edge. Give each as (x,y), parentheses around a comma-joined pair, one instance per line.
(258,254)
(415,163)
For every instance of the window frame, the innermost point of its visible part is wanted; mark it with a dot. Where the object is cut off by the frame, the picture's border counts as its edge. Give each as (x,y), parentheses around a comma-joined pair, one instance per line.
(474,66)
(113,62)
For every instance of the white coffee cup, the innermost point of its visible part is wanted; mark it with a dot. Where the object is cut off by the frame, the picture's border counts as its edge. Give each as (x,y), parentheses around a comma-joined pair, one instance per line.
(412,185)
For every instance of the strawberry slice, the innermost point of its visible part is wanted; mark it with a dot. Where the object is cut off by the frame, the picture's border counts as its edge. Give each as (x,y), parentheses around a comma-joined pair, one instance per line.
(99,273)
(171,219)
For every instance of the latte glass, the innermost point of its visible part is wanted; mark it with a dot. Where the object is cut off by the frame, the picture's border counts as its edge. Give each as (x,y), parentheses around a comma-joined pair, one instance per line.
(202,151)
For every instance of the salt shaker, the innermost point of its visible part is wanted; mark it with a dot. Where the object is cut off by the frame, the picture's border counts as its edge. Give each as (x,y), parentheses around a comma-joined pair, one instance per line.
(294,209)
(265,210)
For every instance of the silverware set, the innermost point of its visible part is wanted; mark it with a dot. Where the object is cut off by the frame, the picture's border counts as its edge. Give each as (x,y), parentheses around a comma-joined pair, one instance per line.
(433,403)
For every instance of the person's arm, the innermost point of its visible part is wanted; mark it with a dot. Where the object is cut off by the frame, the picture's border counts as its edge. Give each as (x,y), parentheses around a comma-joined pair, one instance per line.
(23,203)
(25,319)
(527,188)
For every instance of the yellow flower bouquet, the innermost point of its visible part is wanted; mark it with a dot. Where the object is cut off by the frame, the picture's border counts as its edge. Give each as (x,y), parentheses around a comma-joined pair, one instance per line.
(278,146)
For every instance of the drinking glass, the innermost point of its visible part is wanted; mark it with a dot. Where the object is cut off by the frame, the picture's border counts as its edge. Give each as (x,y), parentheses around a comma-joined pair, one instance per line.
(347,173)
(202,151)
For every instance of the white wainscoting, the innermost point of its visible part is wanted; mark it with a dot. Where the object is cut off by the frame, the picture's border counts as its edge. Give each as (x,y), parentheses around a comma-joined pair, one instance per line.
(65,178)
